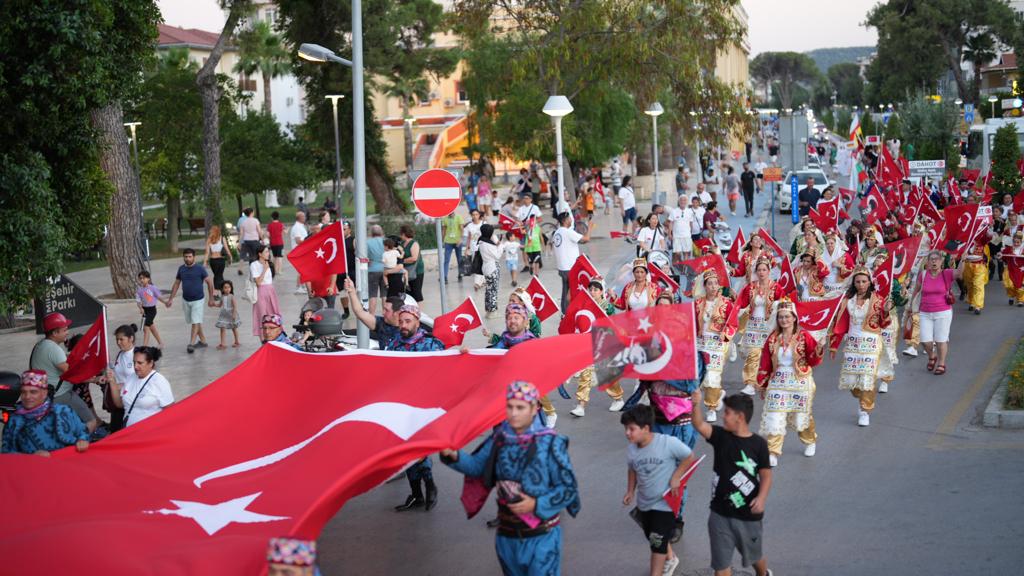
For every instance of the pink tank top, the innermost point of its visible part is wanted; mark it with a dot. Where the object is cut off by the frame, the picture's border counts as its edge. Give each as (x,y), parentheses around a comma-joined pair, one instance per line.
(934,290)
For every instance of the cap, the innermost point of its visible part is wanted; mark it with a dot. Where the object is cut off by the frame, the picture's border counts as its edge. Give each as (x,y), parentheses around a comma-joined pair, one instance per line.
(55,320)
(514,308)
(521,390)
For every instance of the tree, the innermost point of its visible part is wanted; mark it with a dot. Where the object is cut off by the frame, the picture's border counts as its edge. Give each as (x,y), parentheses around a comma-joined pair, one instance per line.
(1006,177)
(930,129)
(260,50)
(783,70)
(894,129)
(847,82)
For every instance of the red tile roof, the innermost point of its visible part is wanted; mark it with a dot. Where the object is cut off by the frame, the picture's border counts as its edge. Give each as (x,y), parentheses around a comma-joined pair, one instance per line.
(174,36)
(1007,61)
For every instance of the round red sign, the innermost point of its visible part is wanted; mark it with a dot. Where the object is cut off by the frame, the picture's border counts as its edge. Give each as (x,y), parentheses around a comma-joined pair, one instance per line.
(436,193)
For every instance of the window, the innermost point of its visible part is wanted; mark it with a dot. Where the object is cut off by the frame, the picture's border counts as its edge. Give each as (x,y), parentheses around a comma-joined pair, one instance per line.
(270,16)
(289,101)
(460,93)
(246,84)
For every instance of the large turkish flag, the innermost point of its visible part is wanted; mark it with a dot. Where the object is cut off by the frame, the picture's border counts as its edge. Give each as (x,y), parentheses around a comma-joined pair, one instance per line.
(273,448)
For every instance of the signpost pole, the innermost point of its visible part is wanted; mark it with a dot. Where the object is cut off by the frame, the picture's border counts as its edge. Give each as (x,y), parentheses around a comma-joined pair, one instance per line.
(773,208)
(440,275)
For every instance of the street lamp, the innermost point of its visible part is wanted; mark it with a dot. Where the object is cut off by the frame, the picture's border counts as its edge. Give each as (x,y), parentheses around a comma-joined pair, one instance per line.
(317,53)
(557,107)
(143,241)
(409,121)
(992,102)
(654,111)
(337,149)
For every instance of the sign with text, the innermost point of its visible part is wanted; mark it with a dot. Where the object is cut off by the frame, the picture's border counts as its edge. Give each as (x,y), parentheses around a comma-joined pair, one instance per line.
(873,140)
(927,168)
(772,174)
(68,298)
(794,207)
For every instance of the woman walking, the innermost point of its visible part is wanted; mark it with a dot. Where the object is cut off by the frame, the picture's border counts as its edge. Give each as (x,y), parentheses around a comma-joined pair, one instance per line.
(839,263)
(862,316)
(786,383)
(1015,250)
(640,292)
(262,271)
(145,391)
(757,302)
(715,328)
(217,256)
(934,290)
(490,254)
(651,237)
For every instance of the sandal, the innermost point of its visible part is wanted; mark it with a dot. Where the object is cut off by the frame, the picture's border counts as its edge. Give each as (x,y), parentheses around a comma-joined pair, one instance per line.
(221,347)
(931,363)
(940,370)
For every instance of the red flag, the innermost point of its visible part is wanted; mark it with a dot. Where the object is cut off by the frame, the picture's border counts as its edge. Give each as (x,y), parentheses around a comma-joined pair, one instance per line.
(1018,203)
(580,275)
(707,262)
(908,212)
(89,356)
(321,255)
(653,343)
(875,206)
(970,174)
(703,245)
(883,278)
(619,234)
(787,281)
(771,242)
(736,252)
(928,209)
(507,223)
(1015,268)
(962,223)
(847,194)
(659,277)
(203,485)
(599,188)
(818,314)
(541,299)
(451,328)
(935,235)
(827,215)
(676,502)
(581,315)
(903,253)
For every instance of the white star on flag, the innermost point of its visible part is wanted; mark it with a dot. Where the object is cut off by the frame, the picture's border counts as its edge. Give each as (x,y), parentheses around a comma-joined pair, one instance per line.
(644,325)
(454,327)
(805,318)
(320,253)
(213,517)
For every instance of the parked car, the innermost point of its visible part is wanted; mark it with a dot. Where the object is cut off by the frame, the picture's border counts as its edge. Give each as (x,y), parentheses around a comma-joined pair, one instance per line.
(820,183)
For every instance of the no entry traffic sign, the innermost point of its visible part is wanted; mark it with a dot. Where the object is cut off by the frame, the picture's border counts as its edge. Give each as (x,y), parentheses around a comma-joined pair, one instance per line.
(436,193)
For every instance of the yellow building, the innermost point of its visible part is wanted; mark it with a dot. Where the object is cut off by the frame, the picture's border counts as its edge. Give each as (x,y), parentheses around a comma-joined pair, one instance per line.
(733,67)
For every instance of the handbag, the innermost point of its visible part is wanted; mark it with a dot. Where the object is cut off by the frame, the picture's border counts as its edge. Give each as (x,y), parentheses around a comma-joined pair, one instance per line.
(250,290)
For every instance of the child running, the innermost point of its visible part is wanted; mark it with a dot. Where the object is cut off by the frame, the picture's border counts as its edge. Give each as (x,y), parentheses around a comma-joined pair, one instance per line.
(228,317)
(656,464)
(146,296)
(511,247)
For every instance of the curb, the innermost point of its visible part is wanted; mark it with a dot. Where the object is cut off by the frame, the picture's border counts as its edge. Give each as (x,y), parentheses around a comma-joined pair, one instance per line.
(995,416)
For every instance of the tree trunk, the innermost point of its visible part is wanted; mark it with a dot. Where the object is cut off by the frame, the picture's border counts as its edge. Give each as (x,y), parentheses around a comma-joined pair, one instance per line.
(678,143)
(408,141)
(644,158)
(266,93)
(256,204)
(240,208)
(173,222)
(383,195)
(209,92)
(7,320)
(953,57)
(124,248)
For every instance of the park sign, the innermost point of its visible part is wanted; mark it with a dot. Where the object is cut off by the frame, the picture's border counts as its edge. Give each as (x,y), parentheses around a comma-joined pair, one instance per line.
(436,193)
(71,300)
(927,168)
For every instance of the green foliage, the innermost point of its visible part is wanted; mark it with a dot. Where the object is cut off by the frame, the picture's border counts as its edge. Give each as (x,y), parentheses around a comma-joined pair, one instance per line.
(868,125)
(260,50)
(258,156)
(894,129)
(846,81)
(784,70)
(1015,379)
(1005,155)
(931,129)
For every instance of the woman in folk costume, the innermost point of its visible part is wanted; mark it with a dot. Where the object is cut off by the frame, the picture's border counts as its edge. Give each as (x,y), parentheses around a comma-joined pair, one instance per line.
(756,305)
(810,240)
(786,382)
(716,325)
(810,277)
(976,259)
(872,252)
(862,316)
(753,251)
(1015,292)
(797,234)
(839,262)
(640,292)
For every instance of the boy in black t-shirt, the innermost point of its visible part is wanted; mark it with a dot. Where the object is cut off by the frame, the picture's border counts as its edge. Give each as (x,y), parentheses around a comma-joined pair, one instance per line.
(742,479)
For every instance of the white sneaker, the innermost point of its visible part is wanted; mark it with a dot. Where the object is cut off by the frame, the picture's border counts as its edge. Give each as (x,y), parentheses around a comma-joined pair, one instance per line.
(550,420)
(670,566)
(910,351)
(883,387)
(748,390)
(863,419)
(712,416)
(810,450)
(616,406)
(773,460)
(578,411)
(300,290)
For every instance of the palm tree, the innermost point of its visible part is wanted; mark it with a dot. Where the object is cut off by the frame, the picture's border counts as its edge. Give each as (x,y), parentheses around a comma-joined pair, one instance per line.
(260,51)
(406,89)
(979,50)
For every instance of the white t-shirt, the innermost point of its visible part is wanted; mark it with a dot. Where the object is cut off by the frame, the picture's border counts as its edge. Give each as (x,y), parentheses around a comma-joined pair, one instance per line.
(627,198)
(526,212)
(250,229)
(390,258)
(298,231)
(567,247)
(256,269)
(124,365)
(511,250)
(681,221)
(471,232)
(156,395)
(489,255)
(698,219)
(647,234)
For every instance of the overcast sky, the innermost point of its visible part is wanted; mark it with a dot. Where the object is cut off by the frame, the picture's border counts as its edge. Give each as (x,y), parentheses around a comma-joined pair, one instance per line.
(775,25)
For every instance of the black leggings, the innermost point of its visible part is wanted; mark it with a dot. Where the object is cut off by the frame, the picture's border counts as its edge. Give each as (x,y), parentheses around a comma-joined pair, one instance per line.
(217,265)
(416,288)
(748,199)
(396,285)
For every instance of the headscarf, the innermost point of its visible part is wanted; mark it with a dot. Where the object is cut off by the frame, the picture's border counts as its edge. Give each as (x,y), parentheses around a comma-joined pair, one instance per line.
(522,390)
(412,309)
(514,308)
(34,378)
(486,231)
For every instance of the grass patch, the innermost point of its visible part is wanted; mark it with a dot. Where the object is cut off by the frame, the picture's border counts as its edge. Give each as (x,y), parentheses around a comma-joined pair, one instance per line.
(229,207)
(159,249)
(1015,371)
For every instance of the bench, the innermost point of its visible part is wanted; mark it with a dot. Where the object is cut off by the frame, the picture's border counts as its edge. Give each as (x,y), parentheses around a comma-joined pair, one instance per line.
(196,225)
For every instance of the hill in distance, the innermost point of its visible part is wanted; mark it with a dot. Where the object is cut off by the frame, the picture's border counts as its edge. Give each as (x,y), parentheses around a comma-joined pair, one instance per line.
(826,57)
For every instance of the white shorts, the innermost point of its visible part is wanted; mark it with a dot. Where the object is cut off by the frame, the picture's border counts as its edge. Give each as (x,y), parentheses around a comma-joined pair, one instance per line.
(935,326)
(193,310)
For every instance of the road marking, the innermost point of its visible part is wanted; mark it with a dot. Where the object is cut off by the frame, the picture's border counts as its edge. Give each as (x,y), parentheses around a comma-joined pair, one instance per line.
(948,425)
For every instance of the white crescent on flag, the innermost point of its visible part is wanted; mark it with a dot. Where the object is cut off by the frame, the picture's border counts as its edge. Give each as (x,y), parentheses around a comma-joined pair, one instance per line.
(586,314)
(659,363)
(455,322)
(334,248)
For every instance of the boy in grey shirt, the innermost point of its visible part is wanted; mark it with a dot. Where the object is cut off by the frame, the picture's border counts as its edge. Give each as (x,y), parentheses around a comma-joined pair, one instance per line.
(656,464)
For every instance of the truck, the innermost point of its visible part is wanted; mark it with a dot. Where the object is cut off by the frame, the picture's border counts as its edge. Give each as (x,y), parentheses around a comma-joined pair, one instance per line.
(981,137)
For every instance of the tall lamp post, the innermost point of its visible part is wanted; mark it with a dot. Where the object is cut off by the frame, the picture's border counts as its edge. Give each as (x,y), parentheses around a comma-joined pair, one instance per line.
(696,138)
(143,241)
(558,107)
(337,149)
(654,111)
(317,53)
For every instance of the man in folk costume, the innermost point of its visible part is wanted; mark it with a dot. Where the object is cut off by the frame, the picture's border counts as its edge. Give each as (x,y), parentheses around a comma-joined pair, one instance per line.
(839,263)
(862,316)
(639,292)
(756,303)
(517,318)
(786,382)
(529,464)
(715,328)
(976,271)
(1015,291)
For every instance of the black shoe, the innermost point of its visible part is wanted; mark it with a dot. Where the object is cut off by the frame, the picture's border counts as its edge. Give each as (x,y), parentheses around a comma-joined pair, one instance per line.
(410,503)
(493,523)
(962,296)
(977,311)
(1011,302)
(239,272)
(345,314)
(677,534)
(431,498)
(190,349)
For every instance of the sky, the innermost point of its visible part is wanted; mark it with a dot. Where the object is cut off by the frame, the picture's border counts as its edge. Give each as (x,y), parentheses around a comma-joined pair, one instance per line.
(775,25)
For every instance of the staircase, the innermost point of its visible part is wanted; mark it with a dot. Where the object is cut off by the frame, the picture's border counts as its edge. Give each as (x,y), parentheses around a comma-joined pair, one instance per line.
(421,161)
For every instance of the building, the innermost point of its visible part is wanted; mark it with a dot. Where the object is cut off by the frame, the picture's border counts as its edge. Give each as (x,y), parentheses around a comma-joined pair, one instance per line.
(733,67)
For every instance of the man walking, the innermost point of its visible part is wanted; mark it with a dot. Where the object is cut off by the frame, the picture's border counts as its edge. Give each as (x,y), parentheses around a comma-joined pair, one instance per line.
(567,249)
(748,181)
(298,233)
(808,197)
(190,279)
(451,231)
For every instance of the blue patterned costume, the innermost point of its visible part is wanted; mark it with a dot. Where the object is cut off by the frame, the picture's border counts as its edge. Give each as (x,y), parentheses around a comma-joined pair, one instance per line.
(58,427)
(535,463)
(506,341)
